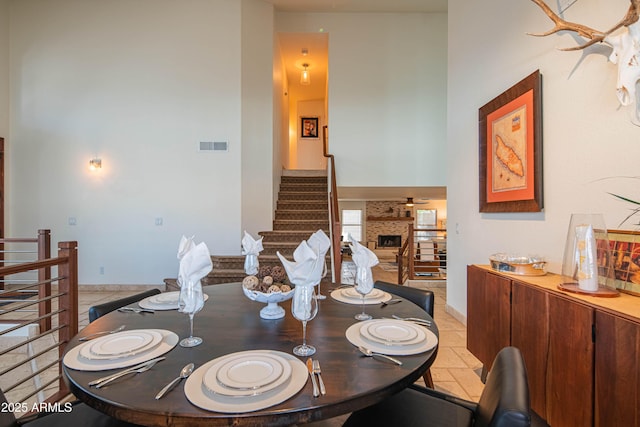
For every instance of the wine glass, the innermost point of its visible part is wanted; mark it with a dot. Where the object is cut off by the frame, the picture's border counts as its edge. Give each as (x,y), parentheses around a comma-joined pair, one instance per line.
(363,315)
(190,302)
(304,307)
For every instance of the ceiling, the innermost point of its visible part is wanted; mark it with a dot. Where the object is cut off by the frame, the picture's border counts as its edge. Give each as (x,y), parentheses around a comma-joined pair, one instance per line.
(428,6)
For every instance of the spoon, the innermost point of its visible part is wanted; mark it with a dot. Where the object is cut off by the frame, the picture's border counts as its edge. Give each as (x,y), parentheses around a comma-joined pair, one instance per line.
(97,334)
(184,373)
(370,353)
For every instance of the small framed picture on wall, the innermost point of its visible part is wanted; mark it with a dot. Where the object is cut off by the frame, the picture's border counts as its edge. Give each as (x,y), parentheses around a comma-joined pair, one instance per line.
(309,127)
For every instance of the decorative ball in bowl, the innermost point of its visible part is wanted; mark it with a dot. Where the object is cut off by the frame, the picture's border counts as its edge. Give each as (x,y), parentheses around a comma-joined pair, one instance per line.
(269,292)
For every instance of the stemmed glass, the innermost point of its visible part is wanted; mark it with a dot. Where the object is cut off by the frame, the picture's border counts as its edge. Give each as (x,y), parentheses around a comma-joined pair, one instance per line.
(304,307)
(190,302)
(363,315)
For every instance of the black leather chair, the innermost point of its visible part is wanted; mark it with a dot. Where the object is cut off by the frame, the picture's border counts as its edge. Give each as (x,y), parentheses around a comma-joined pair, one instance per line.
(504,402)
(78,414)
(421,297)
(101,309)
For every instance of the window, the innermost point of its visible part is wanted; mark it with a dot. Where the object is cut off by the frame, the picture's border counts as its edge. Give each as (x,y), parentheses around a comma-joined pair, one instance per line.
(352,224)
(425,218)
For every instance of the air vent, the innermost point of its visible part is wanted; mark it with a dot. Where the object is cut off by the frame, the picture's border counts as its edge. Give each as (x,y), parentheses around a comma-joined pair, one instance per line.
(214,146)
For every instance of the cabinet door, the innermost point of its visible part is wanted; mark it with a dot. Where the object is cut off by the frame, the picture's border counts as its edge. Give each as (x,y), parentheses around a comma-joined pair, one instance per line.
(617,388)
(530,333)
(570,363)
(488,314)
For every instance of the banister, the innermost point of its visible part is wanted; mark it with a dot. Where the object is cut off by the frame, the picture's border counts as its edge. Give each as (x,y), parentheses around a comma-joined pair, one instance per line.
(334,211)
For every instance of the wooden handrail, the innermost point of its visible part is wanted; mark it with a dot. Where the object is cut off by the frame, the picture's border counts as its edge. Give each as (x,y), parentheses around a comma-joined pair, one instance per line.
(334,211)
(67,313)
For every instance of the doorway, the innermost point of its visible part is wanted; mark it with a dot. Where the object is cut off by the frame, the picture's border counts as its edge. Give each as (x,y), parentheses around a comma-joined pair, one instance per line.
(304,57)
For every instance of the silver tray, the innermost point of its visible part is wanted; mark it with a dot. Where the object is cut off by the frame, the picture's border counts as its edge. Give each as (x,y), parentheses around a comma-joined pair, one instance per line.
(524,266)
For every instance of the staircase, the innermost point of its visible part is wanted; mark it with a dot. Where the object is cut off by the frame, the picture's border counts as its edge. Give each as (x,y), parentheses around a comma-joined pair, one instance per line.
(301,210)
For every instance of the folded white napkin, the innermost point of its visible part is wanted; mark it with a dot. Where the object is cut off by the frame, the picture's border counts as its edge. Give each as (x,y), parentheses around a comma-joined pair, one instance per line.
(364,259)
(308,264)
(185,245)
(251,248)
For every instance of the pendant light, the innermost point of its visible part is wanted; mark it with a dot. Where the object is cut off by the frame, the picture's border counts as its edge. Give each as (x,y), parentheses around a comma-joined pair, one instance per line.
(305,78)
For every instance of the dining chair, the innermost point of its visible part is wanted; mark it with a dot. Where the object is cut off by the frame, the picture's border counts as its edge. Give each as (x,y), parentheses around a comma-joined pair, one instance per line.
(78,414)
(504,402)
(423,298)
(99,310)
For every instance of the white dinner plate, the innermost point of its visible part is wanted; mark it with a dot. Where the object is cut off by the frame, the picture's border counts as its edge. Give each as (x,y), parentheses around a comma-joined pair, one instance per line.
(243,385)
(199,395)
(392,332)
(355,337)
(121,344)
(163,301)
(339,296)
(353,294)
(73,360)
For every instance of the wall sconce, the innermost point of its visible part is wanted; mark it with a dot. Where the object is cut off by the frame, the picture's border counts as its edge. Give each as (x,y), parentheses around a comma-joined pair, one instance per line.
(95,164)
(305,78)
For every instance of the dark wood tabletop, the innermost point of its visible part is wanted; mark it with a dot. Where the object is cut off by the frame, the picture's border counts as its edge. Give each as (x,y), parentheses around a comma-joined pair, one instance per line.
(230,322)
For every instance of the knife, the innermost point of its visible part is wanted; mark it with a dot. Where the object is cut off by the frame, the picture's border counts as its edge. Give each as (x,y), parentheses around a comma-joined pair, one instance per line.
(316,392)
(133,368)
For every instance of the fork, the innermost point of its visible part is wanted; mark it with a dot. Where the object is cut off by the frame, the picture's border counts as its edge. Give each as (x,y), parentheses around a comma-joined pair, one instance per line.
(122,374)
(318,371)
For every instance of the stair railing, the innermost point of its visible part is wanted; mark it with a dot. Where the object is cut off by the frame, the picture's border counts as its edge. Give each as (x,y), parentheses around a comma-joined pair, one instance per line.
(334,212)
(412,264)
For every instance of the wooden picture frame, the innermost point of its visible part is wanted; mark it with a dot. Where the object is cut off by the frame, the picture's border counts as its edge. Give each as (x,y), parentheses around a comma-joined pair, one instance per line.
(510,156)
(309,127)
(625,251)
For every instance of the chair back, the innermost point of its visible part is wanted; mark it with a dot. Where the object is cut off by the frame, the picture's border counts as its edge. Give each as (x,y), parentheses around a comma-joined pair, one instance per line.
(421,297)
(99,310)
(505,398)
(7,419)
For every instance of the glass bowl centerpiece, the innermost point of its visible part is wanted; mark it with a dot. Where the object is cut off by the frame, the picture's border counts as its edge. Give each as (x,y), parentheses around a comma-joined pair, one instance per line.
(269,286)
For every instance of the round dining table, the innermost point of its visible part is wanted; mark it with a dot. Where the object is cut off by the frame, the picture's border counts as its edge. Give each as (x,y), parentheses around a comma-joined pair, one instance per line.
(229,323)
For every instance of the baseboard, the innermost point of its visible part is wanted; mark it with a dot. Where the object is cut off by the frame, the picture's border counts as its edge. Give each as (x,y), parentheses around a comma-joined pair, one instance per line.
(456,314)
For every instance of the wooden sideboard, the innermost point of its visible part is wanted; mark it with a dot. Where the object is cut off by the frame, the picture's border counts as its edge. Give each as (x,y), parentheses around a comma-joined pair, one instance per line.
(582,353)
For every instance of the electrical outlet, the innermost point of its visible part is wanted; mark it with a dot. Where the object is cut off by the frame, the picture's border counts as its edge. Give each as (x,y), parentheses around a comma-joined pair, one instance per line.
(102,270)
(72,220)
(159,221)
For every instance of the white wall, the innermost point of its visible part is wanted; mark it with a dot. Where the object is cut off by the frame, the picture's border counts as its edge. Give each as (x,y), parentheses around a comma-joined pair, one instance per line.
(586,136)
(140,94)
(257,116)
(309,150)
(387,95)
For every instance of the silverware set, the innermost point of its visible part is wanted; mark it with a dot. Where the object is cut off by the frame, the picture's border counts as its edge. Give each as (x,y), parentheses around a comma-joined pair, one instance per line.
(135,310)
(99,334)
(137,369)
(390,302)
(419,321)
(313,366)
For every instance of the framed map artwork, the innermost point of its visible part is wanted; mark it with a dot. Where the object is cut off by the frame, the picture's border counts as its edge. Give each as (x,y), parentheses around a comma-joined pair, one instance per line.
(510,134)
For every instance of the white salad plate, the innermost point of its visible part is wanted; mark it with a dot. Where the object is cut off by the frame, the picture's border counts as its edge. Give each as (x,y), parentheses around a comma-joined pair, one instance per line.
(392,332)
(121,344)
(376,296)
(163,301)
(200,396)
